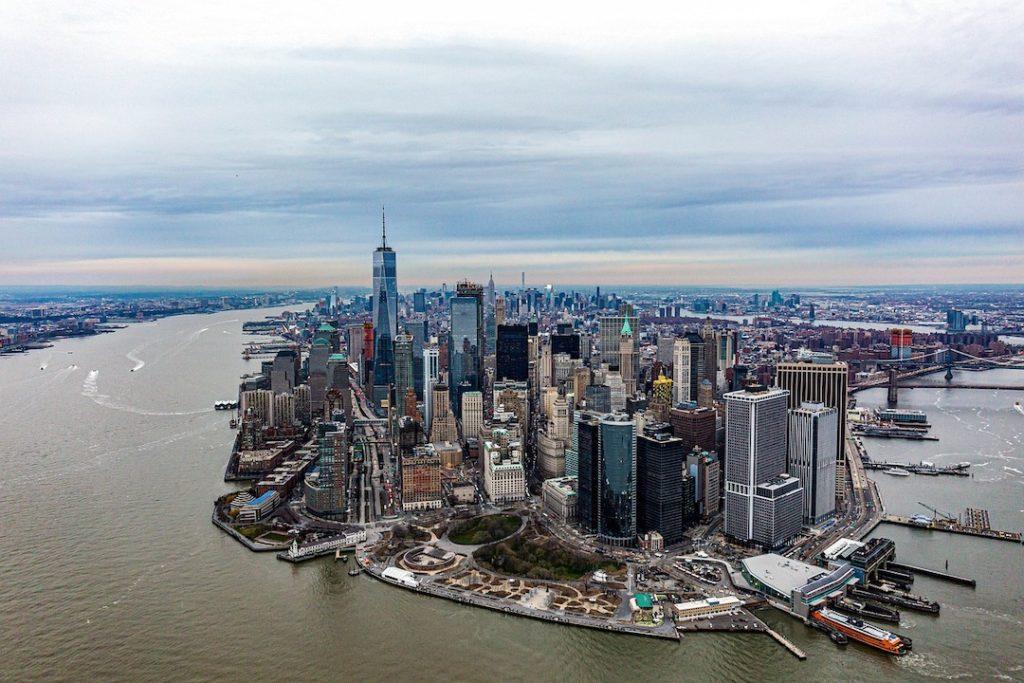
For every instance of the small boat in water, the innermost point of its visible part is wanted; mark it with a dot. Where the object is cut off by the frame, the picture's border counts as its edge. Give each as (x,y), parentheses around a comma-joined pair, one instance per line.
(1018,407)
(355,571)
(896,472)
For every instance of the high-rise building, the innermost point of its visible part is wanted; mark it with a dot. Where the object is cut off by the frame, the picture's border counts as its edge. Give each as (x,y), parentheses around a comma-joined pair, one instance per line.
(599,398)
(695,426)
(610,331)
(661,397)
(466,339)
(421,480)
(512,361)
(956,321)
(812,458)
(709,336)
(472,414)
(442,422)
(607,477)
(762,505)
(660,460)
(430,371)
(688,367)
(627,359)
(819,379)
(403,370)
(385,313)
(326,494)
(666,343)
(504,474)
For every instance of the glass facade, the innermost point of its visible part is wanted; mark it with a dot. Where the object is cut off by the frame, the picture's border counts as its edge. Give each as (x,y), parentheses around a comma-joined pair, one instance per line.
(385,315)
(618,482)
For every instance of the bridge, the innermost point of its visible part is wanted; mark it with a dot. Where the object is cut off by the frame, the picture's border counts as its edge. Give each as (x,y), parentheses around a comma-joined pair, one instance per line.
(943,359)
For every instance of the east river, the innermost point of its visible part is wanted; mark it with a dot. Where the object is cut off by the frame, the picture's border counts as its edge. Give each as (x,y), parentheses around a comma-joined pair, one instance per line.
(110,567)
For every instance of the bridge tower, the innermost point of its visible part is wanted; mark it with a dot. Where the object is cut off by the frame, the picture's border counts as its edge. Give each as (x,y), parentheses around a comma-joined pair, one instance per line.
(893,388)
(949,365)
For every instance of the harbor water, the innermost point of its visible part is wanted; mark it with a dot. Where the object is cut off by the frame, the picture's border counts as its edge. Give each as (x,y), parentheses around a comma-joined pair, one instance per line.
(111,569)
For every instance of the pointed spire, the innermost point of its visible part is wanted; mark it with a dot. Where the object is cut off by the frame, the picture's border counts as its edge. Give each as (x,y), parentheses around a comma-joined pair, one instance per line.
(383,229)
(627,331)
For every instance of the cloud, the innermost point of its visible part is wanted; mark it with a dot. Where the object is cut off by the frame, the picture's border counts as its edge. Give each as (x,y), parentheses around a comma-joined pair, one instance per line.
(736,138)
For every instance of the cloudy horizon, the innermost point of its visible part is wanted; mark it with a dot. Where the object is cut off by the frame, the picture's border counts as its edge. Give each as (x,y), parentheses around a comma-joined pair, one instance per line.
(881,143)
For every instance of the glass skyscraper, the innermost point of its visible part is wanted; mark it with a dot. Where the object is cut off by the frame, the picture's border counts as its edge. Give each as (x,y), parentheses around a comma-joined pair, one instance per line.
(607,477)
(385,312)
(465,344)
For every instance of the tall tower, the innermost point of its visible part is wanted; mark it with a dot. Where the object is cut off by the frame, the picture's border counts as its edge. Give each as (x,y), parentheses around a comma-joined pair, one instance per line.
(385,313)
(627,359)
(762,504)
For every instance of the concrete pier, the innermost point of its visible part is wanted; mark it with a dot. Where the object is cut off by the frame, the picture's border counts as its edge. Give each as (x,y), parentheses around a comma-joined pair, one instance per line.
(793,649)
(935,573)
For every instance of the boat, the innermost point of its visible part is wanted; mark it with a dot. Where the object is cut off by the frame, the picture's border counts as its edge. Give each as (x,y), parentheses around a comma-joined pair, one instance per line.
(355,571)
(896,472)
(1018,407)
(233,424)
(861,631)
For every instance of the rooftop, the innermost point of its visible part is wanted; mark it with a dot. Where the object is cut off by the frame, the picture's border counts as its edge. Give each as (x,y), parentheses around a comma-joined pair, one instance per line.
(782,573)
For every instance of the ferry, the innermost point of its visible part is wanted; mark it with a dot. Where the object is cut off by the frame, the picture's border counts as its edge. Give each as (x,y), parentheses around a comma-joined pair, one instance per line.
(1018,407)
(896,472)
(862,632)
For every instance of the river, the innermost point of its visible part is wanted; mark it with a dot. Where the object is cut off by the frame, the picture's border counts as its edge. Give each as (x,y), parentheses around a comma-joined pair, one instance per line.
(110,567)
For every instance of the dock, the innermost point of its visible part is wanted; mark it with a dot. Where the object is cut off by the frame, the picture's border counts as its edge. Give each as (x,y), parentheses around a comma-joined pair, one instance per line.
(793,649)
(935,573)
(994,534)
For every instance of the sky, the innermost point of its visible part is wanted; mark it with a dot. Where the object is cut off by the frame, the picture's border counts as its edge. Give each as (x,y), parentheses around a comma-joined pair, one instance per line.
(249,144)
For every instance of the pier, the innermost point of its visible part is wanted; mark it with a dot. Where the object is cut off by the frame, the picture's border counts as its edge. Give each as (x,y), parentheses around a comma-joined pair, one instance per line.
(958,470)
(934,573)
(793,649)
(995,534)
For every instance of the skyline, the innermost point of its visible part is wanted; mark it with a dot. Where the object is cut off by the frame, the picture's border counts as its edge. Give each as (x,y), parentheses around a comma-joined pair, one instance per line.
(761,147)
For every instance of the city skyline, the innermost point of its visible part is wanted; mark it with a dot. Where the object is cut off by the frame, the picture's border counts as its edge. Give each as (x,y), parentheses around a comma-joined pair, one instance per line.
(725,147)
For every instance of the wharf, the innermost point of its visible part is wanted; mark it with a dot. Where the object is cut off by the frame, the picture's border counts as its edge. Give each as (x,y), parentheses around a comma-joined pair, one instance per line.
(951,470)
(994,534)
(935,573)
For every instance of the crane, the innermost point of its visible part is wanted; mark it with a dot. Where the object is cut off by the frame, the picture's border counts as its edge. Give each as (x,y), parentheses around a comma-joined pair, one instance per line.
(939,513)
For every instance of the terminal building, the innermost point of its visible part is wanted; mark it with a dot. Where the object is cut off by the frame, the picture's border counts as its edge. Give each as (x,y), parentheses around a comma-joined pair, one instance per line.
(798,585)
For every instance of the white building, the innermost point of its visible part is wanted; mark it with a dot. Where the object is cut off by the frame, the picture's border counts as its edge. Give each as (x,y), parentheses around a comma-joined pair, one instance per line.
(472,414)
(812,458)
(504,475)
(559,497)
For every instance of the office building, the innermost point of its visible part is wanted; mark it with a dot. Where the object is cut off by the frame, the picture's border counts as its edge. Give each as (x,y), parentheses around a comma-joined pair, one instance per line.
(758,497)
(504,474)
(598,398)
(819,378)
(465,340)
(812,458)
(430,373)
(326,494)
(628,360)
(956,321)
(559,496)
(421,480)
(385,314)
(688,367)
(607,477)
(660,461)
(695,426)
(610,336)
(442,422)
(512,356)
(403,371)
(472,414)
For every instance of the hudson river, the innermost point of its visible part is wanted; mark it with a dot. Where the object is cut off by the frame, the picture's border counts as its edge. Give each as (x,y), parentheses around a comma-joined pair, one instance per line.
(110,567)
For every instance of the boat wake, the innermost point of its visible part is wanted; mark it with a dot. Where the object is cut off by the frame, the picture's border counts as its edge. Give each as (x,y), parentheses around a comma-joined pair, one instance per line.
(139,363)
(90,389)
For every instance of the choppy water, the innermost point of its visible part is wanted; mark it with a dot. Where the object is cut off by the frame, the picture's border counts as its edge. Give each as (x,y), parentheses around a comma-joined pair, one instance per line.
(110,568)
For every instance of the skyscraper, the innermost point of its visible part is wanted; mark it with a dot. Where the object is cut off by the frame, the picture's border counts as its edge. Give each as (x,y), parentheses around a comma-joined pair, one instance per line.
(385,313)
(762,504)
(688,367)
(817,378)
(403,370)
(660,460)
(812,458)
(627,359)
(607,477)
(430,370)
(610,328)
(465,343)
(512,362)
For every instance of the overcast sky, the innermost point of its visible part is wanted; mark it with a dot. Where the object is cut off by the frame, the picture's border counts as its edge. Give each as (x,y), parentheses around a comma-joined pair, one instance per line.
(778,143)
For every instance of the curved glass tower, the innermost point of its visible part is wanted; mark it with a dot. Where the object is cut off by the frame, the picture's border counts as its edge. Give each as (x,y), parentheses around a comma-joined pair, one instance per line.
(617,481)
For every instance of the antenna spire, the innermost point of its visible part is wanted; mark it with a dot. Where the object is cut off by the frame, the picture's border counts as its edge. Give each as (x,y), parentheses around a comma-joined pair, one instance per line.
(383,228)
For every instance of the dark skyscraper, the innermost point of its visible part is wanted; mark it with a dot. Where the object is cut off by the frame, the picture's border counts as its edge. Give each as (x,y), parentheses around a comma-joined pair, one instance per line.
(660,460)
(512,361)
(607,477)
(385,313)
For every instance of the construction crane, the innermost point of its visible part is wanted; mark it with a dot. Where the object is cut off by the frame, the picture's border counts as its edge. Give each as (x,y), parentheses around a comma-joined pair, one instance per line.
(940,513)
